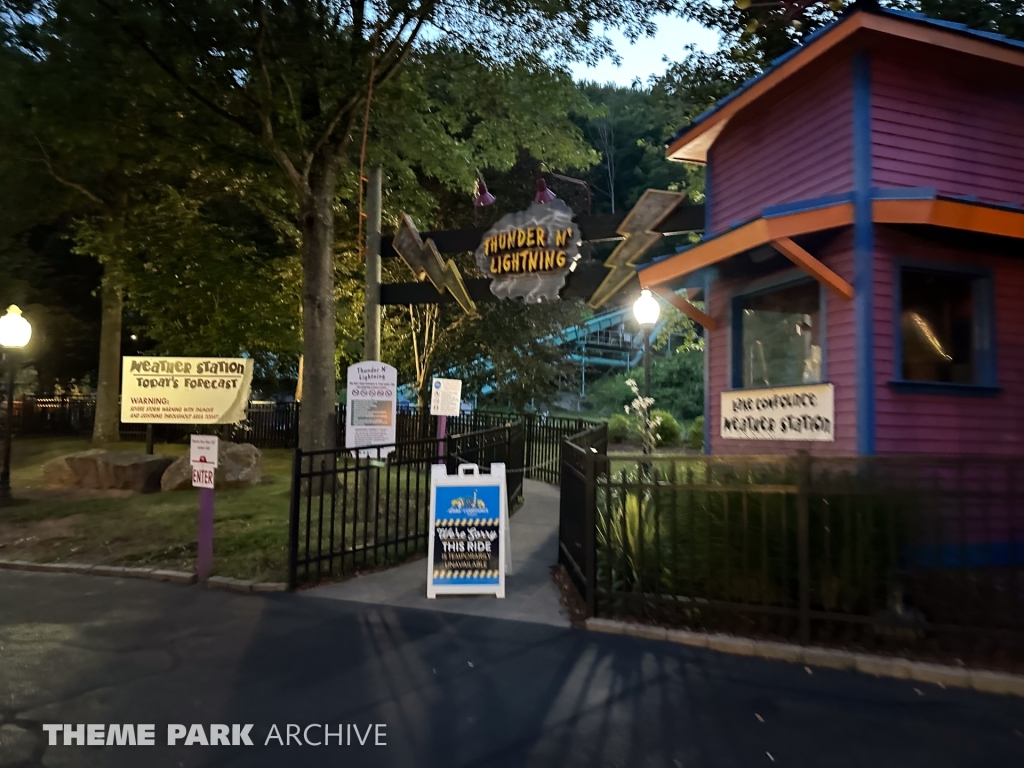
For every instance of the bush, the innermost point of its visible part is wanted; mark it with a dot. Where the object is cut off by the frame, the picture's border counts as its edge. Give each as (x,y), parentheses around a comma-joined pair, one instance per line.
(619,429)
(668,431)
(695,435)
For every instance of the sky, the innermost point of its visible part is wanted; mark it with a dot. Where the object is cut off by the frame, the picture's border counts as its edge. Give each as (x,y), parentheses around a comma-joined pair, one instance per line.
(645,57)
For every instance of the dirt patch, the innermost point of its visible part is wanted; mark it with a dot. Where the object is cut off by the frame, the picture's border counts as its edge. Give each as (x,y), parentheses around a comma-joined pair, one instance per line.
(570,597)
(71,494)
(36,540)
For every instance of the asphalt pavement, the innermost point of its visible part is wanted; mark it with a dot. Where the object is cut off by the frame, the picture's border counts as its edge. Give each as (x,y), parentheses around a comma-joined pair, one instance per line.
(448,690)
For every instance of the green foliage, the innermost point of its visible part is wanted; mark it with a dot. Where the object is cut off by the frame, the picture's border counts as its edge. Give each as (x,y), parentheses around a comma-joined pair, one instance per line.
(620,429)
(677,386)
(695,434)
(668,428)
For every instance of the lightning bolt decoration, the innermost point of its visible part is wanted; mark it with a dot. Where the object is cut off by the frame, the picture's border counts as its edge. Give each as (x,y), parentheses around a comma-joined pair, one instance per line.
(649,211)
(426,264)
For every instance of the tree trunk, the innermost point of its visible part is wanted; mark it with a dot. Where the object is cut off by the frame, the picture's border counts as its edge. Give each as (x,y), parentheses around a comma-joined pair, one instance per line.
(319,371)
(105,428)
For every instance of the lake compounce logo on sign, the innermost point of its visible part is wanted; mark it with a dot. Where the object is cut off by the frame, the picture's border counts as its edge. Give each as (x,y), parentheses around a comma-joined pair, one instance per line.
(528,254)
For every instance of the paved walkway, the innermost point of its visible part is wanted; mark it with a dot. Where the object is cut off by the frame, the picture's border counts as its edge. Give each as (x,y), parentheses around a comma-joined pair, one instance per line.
(530,593)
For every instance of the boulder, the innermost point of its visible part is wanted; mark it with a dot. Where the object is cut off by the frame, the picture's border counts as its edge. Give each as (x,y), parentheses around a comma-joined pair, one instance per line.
(101,470)
(238,465)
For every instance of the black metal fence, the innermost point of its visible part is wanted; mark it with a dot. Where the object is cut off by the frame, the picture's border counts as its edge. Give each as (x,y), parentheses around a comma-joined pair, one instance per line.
(911,552)
(353,513)
(276,425)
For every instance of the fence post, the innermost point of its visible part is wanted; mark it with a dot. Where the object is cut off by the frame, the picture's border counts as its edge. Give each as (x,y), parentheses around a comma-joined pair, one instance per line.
(590,531)
(293,521)
(803,482)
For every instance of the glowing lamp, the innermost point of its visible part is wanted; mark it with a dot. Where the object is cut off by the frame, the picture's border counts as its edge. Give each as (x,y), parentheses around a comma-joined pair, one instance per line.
(646,309)
(15,330)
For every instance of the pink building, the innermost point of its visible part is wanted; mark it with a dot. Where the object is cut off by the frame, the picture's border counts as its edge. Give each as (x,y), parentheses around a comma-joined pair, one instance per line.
(863,262)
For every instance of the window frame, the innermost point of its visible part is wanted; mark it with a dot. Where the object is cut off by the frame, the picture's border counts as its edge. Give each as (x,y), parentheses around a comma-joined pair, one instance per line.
(983,330)
(766,285)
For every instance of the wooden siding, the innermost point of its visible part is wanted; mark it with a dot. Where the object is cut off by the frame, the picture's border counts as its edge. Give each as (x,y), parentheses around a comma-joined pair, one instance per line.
(840,363)
(798,148)
(934,125)
(949,424)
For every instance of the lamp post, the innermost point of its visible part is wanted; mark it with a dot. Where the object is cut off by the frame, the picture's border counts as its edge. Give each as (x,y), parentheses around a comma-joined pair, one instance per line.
(15,331)
(646,311)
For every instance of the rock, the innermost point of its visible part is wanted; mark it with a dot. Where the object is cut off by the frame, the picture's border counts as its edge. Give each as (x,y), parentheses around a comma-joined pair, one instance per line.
(238,465)
(17,744)
(57,473)
(101,470)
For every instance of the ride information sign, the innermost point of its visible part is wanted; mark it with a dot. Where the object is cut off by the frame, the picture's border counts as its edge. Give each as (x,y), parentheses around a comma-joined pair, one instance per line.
(370,406)
(468,532)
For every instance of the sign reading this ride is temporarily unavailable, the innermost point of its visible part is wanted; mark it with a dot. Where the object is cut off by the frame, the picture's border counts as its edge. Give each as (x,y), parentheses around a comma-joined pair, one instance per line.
(469,531)
(529,253)
(184,390)
(780,413)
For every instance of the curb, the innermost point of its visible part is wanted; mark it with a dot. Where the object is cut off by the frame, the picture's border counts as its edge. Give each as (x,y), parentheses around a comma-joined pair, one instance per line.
(984,681)
(153,574)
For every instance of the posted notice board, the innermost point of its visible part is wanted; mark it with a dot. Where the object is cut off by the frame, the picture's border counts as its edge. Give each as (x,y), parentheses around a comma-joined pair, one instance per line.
(469,547)
(371,402)
(185,390)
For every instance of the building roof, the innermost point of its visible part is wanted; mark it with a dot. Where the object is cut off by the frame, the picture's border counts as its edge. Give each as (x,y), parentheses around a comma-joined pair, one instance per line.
(691,142)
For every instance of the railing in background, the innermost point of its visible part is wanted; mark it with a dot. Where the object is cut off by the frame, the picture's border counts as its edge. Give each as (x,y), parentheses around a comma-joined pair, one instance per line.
(350,514)
(276,425)
(912,552)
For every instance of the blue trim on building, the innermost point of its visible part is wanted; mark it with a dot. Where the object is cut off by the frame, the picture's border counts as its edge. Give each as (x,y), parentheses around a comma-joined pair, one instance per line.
(943,388)
(980,555)
(984,332)
(708,186)
(863,257)
(810,204)
(709,276)
(904,193)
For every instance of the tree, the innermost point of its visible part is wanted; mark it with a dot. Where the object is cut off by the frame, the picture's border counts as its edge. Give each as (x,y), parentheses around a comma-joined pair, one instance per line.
(78,151)
(296,77)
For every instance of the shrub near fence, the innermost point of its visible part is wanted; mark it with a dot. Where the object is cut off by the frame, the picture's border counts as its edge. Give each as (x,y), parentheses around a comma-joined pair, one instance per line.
(918,552)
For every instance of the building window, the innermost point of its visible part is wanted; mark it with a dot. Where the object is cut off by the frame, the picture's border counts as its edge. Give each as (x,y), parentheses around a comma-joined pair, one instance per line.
(945,321)
(777,337)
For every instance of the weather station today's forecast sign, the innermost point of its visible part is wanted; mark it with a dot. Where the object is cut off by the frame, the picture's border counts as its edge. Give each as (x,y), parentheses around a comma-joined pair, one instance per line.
(370,404)
(469,547)
(780,413)
(184,390)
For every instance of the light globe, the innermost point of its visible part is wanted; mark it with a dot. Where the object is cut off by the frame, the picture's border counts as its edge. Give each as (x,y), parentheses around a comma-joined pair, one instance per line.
(646,309)
(15,330)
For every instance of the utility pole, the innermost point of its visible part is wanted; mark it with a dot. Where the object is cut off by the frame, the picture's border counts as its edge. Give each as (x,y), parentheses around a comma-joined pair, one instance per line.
(371,341)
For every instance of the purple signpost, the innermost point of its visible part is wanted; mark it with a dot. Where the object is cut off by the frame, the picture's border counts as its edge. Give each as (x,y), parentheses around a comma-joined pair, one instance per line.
(204,555)
(203,458)
(442,431)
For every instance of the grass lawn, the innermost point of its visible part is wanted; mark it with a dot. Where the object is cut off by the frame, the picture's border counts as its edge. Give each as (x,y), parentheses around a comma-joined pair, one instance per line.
(158,529)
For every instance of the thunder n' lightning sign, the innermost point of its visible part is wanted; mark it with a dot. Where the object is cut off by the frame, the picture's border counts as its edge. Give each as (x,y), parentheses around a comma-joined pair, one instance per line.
(425,262)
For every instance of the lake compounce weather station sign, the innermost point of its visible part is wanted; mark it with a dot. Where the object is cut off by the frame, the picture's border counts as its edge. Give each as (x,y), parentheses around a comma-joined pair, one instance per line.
(371,402)
(184,390)
(528,254)
(780,413)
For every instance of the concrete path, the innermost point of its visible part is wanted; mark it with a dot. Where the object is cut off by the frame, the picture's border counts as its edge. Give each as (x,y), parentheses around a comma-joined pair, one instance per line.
(530,593)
